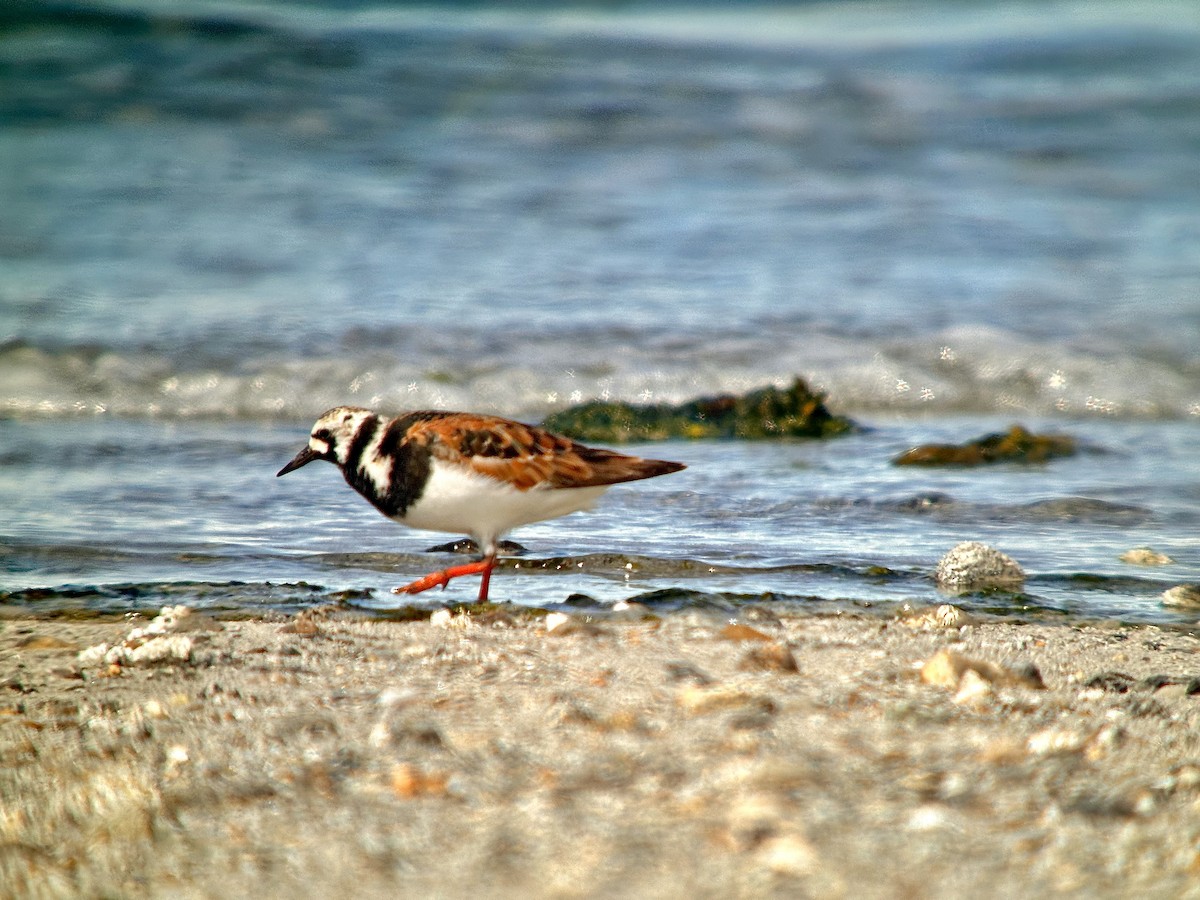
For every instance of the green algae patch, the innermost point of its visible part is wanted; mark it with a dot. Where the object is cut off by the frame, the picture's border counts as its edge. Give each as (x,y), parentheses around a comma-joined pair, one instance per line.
(763,414)
(1017,445)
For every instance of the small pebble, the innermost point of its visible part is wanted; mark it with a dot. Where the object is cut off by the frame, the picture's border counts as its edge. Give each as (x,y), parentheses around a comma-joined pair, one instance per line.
(788,854)
(772,657)
(928,818)
(1056,742)
(1145,556)
(408,781)
(1186,596)
(944,616)
(699,699)
(735,631)
(947,667)
(973,565)
(973,688)
(45,642)
(153,709)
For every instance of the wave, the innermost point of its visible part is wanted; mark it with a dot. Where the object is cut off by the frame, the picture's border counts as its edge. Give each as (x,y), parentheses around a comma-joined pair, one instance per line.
(357,212)
(959,371)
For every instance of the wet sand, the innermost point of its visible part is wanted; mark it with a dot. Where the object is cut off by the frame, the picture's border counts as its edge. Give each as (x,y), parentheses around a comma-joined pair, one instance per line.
(509,754)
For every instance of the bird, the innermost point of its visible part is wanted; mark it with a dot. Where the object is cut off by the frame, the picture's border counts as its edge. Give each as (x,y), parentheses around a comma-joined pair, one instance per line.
(466,473)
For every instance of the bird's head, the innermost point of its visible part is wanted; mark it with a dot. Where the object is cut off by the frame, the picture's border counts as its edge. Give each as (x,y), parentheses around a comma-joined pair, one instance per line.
(330,438)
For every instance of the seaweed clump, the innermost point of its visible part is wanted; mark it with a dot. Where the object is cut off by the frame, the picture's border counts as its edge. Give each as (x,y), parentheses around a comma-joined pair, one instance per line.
(1015,445)
(762,414)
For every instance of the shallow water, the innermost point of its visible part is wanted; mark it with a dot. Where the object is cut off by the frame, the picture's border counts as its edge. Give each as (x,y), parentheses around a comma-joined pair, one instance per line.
(219,223)
(129,515)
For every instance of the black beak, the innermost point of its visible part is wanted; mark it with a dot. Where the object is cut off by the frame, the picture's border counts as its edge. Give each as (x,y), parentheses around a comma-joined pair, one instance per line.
(303,458)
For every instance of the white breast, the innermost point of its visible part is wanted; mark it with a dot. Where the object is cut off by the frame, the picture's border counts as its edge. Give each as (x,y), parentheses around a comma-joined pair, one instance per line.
(461,501)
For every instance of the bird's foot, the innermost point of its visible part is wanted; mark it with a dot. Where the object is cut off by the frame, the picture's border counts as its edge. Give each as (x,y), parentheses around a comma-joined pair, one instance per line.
(441,579)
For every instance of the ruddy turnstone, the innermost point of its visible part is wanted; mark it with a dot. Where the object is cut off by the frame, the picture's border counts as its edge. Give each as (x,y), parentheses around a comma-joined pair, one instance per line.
(466,474)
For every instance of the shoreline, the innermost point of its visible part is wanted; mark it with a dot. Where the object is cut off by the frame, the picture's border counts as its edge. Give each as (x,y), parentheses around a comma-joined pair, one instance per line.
(677,755)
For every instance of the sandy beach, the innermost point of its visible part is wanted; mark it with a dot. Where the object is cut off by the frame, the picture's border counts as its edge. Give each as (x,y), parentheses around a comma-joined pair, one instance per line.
(888,278)
(514,754)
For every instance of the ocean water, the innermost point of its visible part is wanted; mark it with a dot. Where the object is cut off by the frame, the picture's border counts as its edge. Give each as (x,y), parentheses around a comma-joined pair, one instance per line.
(221,218)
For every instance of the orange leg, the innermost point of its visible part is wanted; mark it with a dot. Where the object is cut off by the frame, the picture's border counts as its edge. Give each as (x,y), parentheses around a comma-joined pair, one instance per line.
(483,567)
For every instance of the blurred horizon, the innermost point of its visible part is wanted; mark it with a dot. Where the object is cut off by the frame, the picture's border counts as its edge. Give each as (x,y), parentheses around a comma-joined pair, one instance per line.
(247,209)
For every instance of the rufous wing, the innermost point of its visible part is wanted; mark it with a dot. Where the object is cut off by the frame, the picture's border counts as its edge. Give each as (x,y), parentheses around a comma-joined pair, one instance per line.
(529,457)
